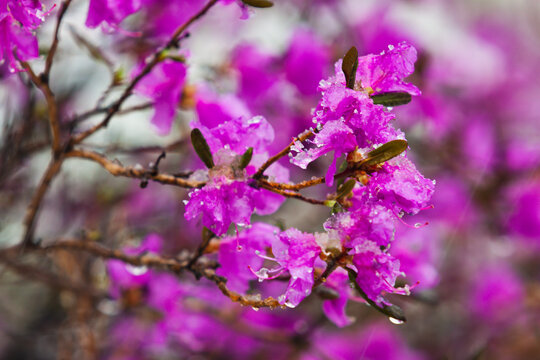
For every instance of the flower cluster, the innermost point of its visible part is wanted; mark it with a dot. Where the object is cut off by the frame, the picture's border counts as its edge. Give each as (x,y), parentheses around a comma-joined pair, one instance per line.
(349,123)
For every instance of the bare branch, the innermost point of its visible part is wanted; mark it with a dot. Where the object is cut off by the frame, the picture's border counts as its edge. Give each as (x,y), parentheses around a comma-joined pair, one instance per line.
(118,170)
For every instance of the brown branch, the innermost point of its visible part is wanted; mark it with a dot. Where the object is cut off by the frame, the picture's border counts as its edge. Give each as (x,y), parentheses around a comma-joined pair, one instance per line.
(148,260)
(299,186)
(118,170)
(51,279)
(33,208)
(154,261)
(156,58)
(252,301)
(100,110)
(307,134)
(292,194)
(51,105)
(54,45)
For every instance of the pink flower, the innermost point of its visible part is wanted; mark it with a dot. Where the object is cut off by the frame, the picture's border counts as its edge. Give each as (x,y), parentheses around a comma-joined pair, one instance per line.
(164,87)
(385,72)
(110,13)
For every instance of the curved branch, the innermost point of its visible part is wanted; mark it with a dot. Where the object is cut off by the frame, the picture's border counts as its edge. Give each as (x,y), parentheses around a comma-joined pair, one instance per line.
(118,170)
(307,134)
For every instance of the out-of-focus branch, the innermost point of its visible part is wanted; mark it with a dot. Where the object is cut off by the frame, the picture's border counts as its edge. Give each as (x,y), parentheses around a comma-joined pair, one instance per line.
(149,260)
(54,45)
(118,170)
(51,105)
(100,110)
(156,59)
(48,278)
(37,199)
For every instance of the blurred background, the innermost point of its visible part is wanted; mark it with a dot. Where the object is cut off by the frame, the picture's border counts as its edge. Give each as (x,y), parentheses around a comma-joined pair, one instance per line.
(475,130)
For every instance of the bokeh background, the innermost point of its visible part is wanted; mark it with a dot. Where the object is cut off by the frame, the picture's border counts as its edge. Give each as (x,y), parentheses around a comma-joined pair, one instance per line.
(475,130)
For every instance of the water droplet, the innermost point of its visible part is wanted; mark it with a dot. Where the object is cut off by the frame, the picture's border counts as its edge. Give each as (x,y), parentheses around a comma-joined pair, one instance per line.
(395,321)
(289,305)
(255,308)
(136,270)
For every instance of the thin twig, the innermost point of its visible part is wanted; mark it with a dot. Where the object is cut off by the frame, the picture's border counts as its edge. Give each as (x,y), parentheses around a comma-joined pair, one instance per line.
(292,194)
(118,170)
(307,134)
(51,104)
(299,186)
(54,45)
(149,260)
(50,279)
(252,301)
(100,110)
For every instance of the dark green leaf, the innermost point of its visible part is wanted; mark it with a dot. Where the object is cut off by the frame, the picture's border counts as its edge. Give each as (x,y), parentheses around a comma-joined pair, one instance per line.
(246,158)
(392,311)
(201,148)
(258,3)
(349,66)
(346,188)
(384,153)
(392,98)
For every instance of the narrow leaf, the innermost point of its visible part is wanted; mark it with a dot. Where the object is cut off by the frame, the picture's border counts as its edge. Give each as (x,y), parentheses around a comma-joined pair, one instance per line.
(201,148)
(246,158)
(392,311)
(391,98)
(384,153)
(349,66)
(346,188)
(258,3)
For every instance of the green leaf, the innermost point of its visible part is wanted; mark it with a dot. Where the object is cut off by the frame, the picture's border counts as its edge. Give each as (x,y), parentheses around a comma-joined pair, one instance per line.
(392,311)
(392,98)
(258,3)
(246,158)
(345,189)
(201,148)
(349,66)
(384,153)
